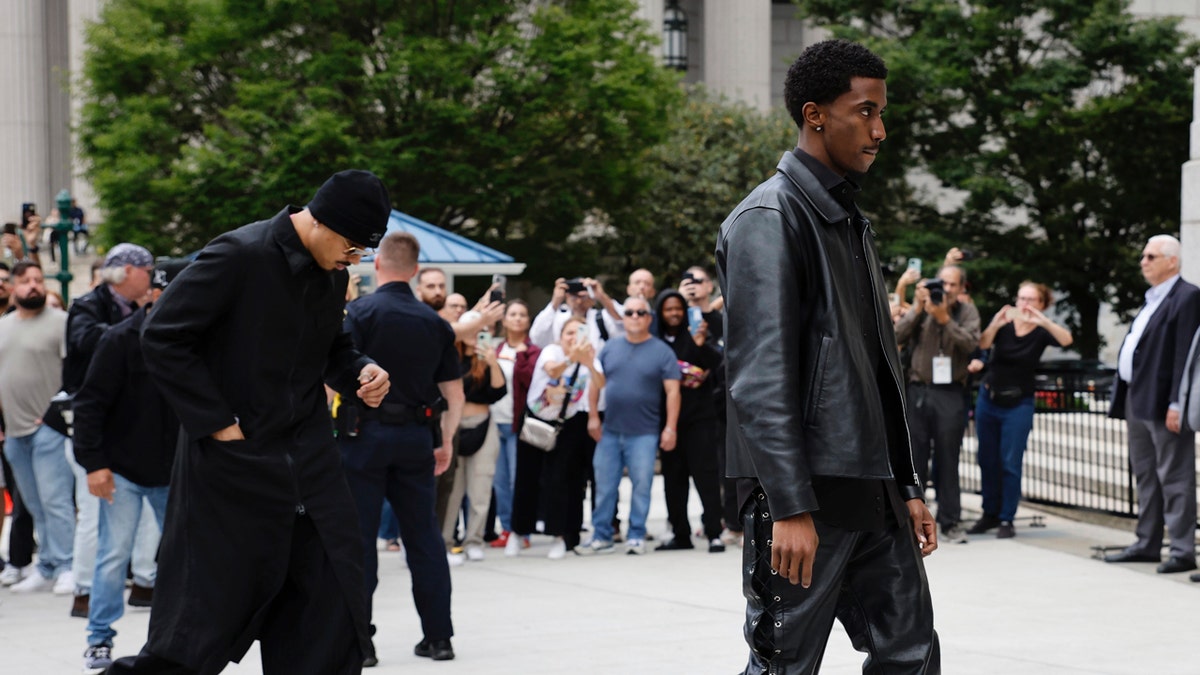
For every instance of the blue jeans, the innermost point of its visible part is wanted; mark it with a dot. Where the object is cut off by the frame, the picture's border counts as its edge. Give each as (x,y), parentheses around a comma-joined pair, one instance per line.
(1002,434)
(389,526)
(39,463)
(114,549)
(506,474)
(613,453)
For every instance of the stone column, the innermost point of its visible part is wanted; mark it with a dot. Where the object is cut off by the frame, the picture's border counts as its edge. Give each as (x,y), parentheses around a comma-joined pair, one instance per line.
(737,50)
(81,12)
(1189,216)
(651,11)
(24,118)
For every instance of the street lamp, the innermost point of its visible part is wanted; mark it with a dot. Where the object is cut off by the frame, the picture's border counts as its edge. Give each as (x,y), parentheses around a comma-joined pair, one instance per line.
(63,227)
(675,37)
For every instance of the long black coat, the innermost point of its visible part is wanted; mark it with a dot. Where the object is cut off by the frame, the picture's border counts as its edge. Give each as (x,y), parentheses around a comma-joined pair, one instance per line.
(248,332)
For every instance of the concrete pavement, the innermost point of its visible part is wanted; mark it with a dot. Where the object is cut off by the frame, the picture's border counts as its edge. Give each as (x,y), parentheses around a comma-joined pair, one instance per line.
(1036,604)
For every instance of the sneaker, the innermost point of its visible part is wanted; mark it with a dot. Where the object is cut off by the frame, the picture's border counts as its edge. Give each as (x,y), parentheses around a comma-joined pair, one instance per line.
(716,546)
(501,541)
(1006,530)
(593,547)
(97,659)
(731,538)
(635,547)
(79,606)
(558,549)
(512,545)
(438,650)
(34,583)
(986,522)
(12,574)
(455,559)
(65,584)
(674,544)
(954,534)
(141,596)
(475,553)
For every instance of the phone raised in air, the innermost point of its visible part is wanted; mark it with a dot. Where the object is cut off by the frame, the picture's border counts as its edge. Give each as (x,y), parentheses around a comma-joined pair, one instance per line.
(501,291)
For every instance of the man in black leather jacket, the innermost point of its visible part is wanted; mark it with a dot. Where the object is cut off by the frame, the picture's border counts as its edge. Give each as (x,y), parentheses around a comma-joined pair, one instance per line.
(817,433)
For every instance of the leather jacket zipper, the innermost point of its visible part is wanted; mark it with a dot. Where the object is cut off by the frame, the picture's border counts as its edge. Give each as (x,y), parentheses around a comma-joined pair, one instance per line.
(300,510)
(879,330)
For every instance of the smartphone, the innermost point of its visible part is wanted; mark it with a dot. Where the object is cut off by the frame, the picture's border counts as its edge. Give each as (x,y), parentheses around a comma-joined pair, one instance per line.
(498,294)
(484,337)
(914,264)
(694,319)
(10,228)
(1013,314)
(581,334)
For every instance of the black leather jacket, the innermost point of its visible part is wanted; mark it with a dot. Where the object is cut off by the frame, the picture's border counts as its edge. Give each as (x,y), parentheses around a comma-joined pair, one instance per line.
(798,380)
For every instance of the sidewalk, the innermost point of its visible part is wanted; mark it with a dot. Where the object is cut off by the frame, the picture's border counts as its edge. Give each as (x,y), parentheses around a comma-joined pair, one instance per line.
(1036,604)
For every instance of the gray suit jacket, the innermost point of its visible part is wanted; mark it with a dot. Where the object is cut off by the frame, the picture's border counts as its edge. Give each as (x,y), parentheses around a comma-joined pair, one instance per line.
(1190,384)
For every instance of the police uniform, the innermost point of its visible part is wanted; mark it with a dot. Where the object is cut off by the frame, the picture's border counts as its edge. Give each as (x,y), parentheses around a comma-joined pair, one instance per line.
(389,451)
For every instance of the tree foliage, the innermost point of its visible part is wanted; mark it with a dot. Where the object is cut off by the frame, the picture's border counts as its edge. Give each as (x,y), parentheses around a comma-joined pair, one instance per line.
(503,120)
(1061,124)
(718,150)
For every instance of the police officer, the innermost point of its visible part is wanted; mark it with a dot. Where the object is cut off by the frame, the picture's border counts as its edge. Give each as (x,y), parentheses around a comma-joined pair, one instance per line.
(391,452)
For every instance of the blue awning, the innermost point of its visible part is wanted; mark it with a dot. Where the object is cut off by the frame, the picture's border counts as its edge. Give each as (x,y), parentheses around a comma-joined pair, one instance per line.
(440,247)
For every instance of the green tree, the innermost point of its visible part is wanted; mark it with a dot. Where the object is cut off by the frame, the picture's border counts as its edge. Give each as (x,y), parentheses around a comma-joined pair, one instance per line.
(1061,124)
(717,151)
(503,120)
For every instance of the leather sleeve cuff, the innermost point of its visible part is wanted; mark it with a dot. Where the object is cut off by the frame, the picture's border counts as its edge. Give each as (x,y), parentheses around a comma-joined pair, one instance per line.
(912,492)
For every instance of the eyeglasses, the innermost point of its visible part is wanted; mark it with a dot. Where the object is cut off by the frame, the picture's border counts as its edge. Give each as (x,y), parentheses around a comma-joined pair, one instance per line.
(5,280)
(1151,256)
(353,250)
(637,312)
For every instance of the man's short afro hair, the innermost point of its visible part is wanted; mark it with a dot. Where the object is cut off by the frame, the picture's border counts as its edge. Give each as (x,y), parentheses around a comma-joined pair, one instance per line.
(823,72)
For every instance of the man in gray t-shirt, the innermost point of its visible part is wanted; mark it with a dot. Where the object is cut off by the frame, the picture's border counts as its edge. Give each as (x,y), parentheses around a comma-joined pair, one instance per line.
(643,367)
(32,346)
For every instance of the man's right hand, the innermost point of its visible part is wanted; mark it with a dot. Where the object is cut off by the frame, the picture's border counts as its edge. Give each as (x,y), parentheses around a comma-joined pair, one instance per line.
(794,548)
(920,297)
(101,484)
(560,292)
(441,458)
(229,433)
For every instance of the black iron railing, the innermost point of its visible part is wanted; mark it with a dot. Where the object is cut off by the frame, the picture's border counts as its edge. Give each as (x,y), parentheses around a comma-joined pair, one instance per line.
(1076,456)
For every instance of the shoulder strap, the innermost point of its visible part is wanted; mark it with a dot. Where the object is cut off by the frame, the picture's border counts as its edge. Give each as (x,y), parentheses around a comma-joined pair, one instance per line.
(562,414)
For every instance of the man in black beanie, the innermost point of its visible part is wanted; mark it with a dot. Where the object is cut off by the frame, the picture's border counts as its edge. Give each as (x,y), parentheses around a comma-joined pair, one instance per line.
(260,541)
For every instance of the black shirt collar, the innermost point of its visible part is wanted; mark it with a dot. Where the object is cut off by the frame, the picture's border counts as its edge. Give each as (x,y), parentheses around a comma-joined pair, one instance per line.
(841,189)
(298,257)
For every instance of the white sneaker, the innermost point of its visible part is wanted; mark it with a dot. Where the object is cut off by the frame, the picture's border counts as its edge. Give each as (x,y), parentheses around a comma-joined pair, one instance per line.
(65,584)
(593,547)
(635,547)
(558,549)
(512,548)
(455,559)
(12,574)
(475,553)
(731,538)
(34,583)
(97,659)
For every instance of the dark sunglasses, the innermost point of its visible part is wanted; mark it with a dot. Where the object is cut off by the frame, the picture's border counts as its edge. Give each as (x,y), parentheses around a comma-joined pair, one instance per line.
(637,312)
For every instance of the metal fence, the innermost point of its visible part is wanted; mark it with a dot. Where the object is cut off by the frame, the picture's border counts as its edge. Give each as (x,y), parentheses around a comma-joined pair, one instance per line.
(1076,457)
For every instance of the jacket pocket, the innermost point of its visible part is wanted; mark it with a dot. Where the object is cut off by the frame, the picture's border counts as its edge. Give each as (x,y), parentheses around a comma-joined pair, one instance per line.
(816,387)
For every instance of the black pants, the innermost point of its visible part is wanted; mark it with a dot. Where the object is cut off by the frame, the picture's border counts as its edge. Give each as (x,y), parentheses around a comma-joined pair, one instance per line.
(306,630)
(396,463)
(936,421)
(873,582)
(695,457)
(552,484)
(20,534)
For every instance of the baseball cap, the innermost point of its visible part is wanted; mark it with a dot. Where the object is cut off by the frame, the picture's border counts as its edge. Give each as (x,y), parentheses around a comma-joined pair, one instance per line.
(166,270)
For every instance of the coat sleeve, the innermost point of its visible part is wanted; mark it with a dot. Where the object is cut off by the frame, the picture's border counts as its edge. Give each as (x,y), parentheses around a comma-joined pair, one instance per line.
(345,360)
(1186,323)
(762,260)
(95,399)
(177,330)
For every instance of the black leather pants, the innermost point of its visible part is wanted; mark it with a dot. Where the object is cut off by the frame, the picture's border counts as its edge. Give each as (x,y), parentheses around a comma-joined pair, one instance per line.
(873,582)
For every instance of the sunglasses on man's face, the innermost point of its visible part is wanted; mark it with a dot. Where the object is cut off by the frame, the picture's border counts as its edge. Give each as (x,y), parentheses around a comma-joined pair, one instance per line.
(355,250)
(637,312)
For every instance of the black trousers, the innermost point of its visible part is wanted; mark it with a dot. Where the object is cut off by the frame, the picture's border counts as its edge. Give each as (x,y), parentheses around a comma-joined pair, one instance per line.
(20,534)
(873,582)
(694,457)
(936,421)
(396,463)
(306,630)
(552,484)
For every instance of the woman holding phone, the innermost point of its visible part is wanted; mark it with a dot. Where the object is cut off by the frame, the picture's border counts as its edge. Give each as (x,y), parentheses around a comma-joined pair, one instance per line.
(1017,337)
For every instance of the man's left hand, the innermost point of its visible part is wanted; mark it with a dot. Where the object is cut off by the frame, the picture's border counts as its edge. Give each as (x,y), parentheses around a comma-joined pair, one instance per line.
(1173,421)
(923,525)
(374,385)
(940,312)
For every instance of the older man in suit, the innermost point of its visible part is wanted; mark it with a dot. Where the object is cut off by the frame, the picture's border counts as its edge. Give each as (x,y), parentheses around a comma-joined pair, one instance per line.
(1162,450)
